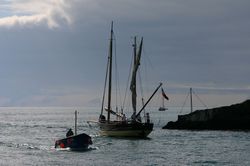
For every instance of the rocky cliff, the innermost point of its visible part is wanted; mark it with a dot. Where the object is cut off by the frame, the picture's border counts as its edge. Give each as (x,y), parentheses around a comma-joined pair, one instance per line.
(234,117)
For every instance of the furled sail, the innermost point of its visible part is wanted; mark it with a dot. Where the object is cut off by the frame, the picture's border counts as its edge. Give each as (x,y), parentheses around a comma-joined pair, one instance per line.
(133,78)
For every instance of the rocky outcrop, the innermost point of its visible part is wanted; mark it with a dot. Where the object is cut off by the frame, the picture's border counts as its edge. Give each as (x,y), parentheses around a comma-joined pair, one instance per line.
(234,117)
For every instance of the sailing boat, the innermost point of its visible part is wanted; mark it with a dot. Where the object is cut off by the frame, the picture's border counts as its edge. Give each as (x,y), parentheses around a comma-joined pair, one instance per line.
(190,95)
(163,97)
(123,127)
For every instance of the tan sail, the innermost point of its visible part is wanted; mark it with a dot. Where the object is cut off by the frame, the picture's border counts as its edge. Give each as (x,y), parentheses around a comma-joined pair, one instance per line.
(137,60)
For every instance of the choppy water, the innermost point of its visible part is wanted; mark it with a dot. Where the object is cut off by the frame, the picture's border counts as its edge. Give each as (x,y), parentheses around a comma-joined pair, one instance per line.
(28,135)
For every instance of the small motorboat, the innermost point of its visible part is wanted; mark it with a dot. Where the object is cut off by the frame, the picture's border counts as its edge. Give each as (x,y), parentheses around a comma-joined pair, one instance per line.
(162,109)
(75,141)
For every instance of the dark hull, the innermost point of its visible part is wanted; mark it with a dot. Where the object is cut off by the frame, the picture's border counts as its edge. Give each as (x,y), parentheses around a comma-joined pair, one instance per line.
(162,109)
(76,142)
(119,129)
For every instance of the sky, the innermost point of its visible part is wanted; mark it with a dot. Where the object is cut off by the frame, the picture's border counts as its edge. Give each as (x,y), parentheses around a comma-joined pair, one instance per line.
(54,52)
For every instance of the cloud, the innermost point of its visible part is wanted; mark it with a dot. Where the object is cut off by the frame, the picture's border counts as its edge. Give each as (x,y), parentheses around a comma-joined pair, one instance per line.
(50,13)
(199,44)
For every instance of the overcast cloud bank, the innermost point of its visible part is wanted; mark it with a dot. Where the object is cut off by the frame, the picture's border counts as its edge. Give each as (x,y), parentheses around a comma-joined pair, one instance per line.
(50,48)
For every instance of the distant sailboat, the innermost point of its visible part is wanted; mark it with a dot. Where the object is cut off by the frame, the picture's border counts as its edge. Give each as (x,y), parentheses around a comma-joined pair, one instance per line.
(163,97)
(190,95)
(123,127)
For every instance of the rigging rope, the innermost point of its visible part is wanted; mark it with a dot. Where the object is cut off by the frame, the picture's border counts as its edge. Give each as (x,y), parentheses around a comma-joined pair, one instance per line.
(184,103)
(200,100)
(126,91)
(196,97)
(117,82)
(141,89)
(146,64)
(104,89)
(116,77)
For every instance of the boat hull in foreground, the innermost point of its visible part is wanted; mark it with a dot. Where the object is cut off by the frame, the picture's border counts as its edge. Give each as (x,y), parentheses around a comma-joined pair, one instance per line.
(76,142)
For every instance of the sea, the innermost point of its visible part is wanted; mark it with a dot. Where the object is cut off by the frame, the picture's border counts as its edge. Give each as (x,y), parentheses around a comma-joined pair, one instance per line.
(28,136)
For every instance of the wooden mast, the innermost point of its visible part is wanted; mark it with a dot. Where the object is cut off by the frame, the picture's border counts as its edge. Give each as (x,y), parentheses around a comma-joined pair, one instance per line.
(110,70)
(191,100)
(75,122)
(134,85)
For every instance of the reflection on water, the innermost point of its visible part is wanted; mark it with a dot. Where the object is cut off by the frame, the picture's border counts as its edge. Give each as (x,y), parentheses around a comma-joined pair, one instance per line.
(28,137)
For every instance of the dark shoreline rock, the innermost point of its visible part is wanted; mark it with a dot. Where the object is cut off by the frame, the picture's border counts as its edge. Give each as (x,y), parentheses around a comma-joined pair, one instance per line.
(234,117)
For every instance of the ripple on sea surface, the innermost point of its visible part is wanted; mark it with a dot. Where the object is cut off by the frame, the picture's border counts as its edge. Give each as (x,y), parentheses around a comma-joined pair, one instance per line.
(28,137)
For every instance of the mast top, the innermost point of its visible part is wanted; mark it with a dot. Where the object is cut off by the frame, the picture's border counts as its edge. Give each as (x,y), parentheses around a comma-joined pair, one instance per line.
(112,29)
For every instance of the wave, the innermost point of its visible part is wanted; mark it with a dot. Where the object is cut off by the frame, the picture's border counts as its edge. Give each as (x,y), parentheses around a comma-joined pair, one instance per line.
(14,125)
(26,146)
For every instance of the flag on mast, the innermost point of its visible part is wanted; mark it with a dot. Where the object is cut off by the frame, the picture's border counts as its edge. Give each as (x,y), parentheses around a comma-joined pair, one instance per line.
(164,95)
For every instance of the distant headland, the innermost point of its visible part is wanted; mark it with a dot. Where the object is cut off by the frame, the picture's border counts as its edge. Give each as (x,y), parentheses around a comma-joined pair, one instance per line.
(234,117)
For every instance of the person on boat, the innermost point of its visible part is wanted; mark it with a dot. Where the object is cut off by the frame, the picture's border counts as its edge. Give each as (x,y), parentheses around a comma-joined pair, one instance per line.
(69,133)
(102,118)
(124,117)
